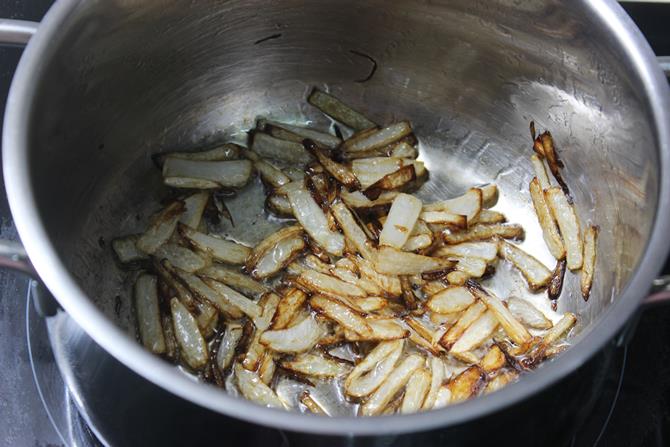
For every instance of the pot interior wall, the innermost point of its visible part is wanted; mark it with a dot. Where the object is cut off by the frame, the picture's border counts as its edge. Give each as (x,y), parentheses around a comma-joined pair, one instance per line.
(133,78)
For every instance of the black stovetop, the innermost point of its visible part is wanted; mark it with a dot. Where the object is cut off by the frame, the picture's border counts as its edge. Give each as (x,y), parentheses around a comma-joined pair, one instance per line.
(634,409)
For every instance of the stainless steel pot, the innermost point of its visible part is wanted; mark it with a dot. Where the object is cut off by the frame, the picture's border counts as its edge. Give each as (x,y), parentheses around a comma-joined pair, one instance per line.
(102,85)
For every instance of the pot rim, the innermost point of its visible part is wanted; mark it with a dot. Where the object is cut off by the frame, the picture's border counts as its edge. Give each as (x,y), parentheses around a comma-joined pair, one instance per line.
(75,301)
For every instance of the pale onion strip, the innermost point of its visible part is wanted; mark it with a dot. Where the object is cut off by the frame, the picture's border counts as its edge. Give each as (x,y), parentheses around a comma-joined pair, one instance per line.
(500,380)
(278,257)
(299,338)
(340,172)
(220,249)
(489,195)
(161,227)
(473,267)
(311,404)
(527,313)
(233,278)
(390,284)
(346,263)
(404,150)
(370,170)
(227,174)
(126,250)
(420,228)
(564,213)
(469,358)
(357,200)
(428,333)
(409,297)
(181,257)
(480,232)
(551,351)
(324,139)
(148,314)
(544,216)
(252,387)
(422,336)
(278,205)
(419,242)
(191,343)
(197,286)
(475,335)
(267,146)
(393,407)
(207,317)
(468,205)
(234,298)
(443,397)
(400,221)
(493,360)
(382,329)
(381,138)
(295,268)
(295,173)
(347,275)
(270,174)
(171,344)
(278,132)
(487,251)
(269,303)
(393,181)
(351,278)
(168,276)
(589,265)
(231,338)
(194,207)
(371,303)
(540,172)
(432,287)
(561,327)
(393,383)
(228,151)
(287,308)
(339,111)
(314,364)
(391,261)
(467,384)
(329,285)
(314,263)
(536,274)
(275,252)
(444,320)
(352,230)
(255,350)
(267,368)
(458,278)
(314,221)
(512,327)
(445,218)
(373,369)
(190,183)
(342,314)
(451,299)
(415,391)
(469,316)
(437,376)
(333,338)
(490,217)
